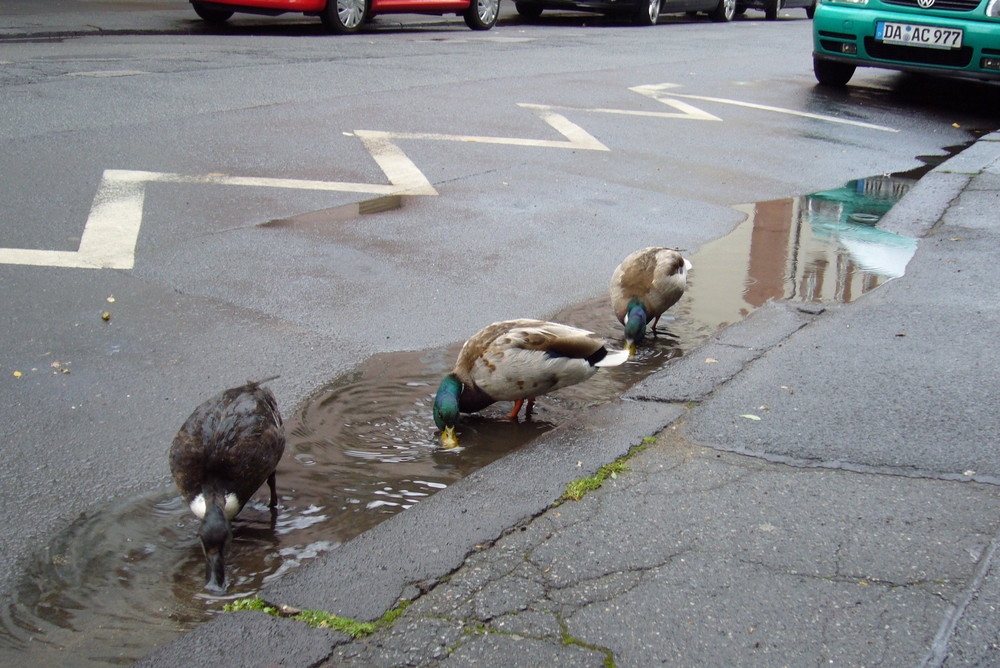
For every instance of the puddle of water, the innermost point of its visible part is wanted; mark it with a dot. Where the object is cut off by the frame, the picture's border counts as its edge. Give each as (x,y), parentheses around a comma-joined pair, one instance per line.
(114,586)
(321,220)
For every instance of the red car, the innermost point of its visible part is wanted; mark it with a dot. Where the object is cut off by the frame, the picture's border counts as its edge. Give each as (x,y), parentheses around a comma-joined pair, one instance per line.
(346,16)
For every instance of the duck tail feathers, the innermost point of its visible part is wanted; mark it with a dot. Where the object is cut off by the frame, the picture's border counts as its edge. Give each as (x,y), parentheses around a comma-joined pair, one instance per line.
(614,358)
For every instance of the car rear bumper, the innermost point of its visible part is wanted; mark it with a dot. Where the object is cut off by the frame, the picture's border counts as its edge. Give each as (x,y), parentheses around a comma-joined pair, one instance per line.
(835,26)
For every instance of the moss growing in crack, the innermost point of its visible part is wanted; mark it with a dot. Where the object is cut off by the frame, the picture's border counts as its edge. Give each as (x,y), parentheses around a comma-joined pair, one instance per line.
(579,487)
(320,618)
(254,603)
(649,440)
(567,639)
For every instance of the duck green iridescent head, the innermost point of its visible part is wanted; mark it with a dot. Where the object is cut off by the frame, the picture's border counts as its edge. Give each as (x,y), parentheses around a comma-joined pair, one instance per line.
(635,325)
(446,409)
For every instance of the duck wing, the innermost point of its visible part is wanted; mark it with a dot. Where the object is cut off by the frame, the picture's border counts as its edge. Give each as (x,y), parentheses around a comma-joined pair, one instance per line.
(656,276)
(521,359)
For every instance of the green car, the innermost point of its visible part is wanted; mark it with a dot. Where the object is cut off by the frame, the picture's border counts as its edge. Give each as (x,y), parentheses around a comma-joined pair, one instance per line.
(953,37)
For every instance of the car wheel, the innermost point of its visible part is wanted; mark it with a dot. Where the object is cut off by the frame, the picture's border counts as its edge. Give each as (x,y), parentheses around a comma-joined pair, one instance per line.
(771,8)
(209,15)
(724,11)
(344,16)
(647,13)
(482,14)
(832,73)
(811,10)
(529,10)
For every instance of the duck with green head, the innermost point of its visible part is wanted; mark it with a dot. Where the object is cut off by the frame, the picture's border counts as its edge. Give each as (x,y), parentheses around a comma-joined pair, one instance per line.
(227,448)
(643,286)
(517,360)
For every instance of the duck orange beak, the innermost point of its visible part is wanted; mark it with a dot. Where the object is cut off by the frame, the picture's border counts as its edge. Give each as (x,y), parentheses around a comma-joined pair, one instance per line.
(448,438)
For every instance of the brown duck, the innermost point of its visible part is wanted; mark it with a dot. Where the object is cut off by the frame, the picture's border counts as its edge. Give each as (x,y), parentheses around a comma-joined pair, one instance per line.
(645,284)
(228,447)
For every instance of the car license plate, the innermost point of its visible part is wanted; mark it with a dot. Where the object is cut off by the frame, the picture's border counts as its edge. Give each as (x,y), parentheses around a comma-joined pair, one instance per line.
(934,37)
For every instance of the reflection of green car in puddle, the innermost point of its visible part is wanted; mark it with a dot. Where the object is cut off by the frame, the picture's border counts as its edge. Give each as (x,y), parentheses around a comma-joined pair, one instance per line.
(849,215)
(954,37)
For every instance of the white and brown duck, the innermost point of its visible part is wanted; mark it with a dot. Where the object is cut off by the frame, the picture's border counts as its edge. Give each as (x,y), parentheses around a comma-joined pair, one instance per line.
(517,360)
(645,284)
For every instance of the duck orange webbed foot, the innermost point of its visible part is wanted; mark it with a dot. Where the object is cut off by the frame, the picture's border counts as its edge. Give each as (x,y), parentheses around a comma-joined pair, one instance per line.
(517,409)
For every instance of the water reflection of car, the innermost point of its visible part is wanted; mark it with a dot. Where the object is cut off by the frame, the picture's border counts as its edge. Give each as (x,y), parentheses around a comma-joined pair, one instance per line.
(771,7)
(849,215)
(641,12)
(346,16)
(953,37)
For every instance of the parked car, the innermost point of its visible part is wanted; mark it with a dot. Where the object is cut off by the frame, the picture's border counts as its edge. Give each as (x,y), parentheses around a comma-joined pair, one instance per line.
(771,7)
(641,12)
(953,37)
(346,16)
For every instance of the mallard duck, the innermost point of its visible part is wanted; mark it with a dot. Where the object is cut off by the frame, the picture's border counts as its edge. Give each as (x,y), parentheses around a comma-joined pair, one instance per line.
(645,284)
(228,447)
(516,360)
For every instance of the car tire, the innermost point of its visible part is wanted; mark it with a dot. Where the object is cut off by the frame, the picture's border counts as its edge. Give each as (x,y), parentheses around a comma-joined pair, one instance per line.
(647,13)
(811,10)
(832,73)
(723,12)
(482,14)
(344,17)
(528,10)
(771,8)
(210,15)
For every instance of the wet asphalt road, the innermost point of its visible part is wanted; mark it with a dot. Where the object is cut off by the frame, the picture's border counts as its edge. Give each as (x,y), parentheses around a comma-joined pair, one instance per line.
(213,298)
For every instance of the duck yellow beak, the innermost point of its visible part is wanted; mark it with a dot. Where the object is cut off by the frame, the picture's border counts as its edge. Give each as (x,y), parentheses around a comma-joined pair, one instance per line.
(630,347)
(448,438)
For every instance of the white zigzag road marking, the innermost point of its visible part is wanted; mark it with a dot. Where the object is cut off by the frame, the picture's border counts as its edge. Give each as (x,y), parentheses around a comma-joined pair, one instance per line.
(576,137)
(655,91)
(112,229)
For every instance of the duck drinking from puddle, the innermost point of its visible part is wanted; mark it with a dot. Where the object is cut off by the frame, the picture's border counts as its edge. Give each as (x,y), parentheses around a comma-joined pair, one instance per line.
(224,452)
(516,360)
(643,286)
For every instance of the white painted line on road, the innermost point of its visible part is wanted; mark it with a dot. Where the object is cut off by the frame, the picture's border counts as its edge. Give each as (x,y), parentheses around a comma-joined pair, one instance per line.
(684,110)
(113,226)
(655,91)
(112,229)
(576,137)
(405,176)
(109,237)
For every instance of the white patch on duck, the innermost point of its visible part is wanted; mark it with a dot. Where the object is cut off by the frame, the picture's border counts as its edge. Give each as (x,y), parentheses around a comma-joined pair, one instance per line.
(614,358)
(232,507)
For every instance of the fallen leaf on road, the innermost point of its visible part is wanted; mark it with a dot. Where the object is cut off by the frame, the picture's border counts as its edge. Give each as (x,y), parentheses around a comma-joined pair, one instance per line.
(751,417)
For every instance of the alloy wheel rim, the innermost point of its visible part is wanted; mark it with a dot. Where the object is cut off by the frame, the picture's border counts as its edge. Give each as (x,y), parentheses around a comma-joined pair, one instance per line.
(488,10)
(351,12)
